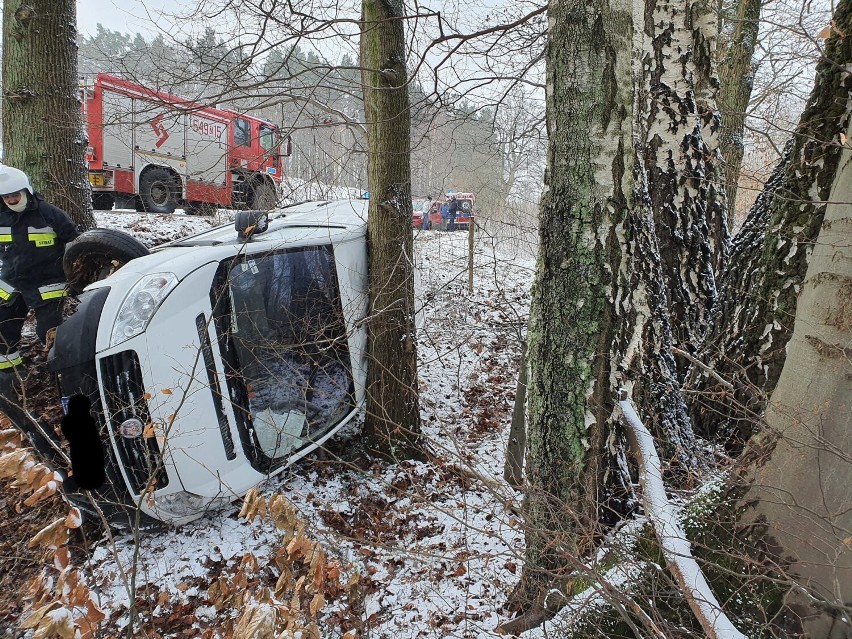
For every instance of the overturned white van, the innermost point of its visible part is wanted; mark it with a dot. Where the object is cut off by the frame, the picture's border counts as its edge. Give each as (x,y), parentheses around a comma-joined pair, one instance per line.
(219,359)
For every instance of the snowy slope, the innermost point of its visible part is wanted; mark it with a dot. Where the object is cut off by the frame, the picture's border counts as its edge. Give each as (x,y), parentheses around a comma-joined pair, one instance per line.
(435,546)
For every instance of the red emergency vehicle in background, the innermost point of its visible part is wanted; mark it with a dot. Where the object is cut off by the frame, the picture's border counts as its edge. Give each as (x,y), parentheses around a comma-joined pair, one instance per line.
(157,151)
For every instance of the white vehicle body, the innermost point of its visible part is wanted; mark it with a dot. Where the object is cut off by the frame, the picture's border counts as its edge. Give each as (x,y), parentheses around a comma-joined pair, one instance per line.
(216,361)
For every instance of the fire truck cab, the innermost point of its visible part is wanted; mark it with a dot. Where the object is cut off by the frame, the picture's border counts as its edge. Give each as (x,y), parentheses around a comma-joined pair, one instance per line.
(155,151)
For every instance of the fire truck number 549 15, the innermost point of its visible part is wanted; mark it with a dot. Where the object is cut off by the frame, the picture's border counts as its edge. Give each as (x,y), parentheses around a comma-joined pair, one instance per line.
(206,128)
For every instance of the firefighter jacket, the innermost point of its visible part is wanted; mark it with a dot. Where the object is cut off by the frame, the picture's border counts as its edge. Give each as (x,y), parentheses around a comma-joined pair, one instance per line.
(32,244)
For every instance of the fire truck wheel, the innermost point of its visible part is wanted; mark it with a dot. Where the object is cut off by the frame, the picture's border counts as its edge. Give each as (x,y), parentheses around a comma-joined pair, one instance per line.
(102,201)
(263,197)
(159,190)
(97,254)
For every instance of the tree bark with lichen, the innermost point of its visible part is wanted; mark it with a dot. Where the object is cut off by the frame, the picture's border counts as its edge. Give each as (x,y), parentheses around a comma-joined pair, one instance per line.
(753,319)
(43,131)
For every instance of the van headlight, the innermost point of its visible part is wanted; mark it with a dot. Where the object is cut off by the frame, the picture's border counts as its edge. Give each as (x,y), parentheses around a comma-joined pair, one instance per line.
(140,304)
(185,504)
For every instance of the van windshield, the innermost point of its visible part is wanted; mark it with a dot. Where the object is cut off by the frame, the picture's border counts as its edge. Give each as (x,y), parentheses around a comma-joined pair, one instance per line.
(283,339)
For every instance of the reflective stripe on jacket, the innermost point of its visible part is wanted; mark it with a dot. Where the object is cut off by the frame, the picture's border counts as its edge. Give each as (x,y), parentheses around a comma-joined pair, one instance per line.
(10,361)
(53,291)
(7,291)
(42,237)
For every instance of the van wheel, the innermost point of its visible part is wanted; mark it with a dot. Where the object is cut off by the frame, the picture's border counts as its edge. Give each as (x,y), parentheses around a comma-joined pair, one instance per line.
(98,253)
(263,197)
(159,190)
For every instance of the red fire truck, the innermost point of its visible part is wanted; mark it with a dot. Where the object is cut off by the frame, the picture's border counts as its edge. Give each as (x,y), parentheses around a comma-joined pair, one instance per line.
(156,151)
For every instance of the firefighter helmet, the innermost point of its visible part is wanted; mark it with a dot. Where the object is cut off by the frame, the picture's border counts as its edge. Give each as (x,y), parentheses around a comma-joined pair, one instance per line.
(13,180)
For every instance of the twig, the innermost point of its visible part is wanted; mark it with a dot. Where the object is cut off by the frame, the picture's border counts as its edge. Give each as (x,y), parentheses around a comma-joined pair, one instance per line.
(704,367)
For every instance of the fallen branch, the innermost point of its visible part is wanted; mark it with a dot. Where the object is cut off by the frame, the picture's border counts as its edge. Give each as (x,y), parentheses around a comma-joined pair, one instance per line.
(672,539)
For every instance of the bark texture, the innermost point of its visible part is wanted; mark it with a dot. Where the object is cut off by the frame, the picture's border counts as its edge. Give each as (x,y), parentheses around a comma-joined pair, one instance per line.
(678,131)
(42,121)
(393,413)
(739,29)
(753,319)
(599,317)
(799,499)
(589,119)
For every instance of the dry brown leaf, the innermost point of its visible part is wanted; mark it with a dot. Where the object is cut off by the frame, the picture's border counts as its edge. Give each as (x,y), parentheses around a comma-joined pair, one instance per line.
(53,535)
(285,580)
(73,519)
(257,622)
(48,490)
(10,463)
(56,623)
(299,547)
(35,618)
(294,601)
(317,604)
(166,391)
(61,558)
(249,563)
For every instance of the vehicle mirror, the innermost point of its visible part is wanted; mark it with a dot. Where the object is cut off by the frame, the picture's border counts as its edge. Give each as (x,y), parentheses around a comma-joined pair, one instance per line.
(287,148)
(248,223)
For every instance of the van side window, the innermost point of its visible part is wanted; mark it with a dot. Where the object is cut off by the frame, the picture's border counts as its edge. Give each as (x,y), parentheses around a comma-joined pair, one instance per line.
(288,349)
(242,132)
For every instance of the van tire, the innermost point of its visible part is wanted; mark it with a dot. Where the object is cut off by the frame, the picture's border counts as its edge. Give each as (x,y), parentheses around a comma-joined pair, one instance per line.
(97,254)
(159,190)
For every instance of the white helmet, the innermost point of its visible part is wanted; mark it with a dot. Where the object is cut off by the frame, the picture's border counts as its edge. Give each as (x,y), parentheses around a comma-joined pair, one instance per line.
(13,180)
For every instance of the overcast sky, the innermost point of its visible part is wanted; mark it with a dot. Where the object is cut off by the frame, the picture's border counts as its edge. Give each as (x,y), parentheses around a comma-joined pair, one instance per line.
(126,16)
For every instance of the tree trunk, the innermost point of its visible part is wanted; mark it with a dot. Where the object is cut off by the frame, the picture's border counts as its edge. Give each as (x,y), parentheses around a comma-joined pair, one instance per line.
(800,498)
(739,31)
(678,127)
(43,131)
(753,319)
(599,318)
(393,412)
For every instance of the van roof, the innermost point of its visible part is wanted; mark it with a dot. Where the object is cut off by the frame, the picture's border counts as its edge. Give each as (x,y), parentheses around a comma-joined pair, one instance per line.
(345,215)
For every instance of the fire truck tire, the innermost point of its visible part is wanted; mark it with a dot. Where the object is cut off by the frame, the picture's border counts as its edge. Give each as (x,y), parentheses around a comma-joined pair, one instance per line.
(97,254)
(102,201)
(159,190)
(263,196)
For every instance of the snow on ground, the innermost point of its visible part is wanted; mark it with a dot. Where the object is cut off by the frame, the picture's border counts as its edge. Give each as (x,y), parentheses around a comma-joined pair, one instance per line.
(437,546)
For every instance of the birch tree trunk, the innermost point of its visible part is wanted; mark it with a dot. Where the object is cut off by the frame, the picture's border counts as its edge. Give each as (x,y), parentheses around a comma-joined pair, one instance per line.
(753,319)
(393,412)
(42,121)
(678,127)
(586,189)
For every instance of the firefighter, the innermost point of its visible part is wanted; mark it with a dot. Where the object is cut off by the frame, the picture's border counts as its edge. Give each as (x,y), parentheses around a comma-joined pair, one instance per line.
(33,236)
(453,211)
